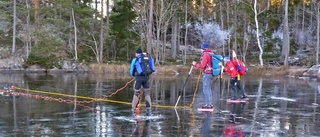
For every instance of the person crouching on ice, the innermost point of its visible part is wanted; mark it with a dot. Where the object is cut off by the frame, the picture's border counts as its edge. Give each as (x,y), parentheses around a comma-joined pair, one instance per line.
(207,77)
(234,81)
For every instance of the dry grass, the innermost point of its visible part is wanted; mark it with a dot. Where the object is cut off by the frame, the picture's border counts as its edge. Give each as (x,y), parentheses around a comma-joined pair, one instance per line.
(279,71)
(172,70)
(109,68)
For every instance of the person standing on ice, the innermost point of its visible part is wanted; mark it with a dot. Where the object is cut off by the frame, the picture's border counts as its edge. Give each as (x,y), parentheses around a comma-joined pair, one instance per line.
(207,78)
(141,67)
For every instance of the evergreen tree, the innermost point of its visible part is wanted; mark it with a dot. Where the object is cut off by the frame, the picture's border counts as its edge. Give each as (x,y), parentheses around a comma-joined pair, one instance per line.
(121,29)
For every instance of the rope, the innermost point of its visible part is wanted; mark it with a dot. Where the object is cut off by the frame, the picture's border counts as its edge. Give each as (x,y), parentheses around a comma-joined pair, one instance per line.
(195,90)
(68,101)
(80,103)
(93,99)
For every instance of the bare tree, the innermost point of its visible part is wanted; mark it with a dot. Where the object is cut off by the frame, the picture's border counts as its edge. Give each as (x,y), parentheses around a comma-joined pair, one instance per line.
(164,10)
(285,40)
(101,33)
(174,37)
(150,23)
(318,31)
(75,36)
(14,27)
(256,13)
(107,30)
(257,32)
(28,41)
(186,34)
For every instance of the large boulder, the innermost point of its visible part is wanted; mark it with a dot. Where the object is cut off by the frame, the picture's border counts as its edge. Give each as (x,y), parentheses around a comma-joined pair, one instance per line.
(313,72)
(70,66)
(11,64)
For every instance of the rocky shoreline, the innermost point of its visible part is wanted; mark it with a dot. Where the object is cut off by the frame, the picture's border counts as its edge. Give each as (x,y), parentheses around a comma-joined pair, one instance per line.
(17,65)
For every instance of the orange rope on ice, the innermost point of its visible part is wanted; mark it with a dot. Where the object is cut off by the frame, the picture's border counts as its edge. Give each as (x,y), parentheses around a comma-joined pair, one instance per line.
(90,99)
(80,102)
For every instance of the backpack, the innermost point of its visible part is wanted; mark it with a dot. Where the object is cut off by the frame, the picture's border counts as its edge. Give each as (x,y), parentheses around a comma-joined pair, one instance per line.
(216,64)
(241,67)
(144,64)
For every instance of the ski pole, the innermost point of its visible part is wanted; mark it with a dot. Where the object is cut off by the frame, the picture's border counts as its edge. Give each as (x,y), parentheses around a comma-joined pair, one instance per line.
(184,86)
(221,79)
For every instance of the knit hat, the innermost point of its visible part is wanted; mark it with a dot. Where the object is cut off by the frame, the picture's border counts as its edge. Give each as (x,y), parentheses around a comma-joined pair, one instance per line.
(205,45)
(139,50)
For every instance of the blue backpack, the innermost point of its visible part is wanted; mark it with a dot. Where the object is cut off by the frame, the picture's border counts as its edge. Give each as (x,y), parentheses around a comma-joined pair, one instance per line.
(217,61)
(144,64)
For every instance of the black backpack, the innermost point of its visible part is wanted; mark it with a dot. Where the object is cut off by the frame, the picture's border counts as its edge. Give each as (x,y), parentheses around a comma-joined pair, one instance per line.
(145,66)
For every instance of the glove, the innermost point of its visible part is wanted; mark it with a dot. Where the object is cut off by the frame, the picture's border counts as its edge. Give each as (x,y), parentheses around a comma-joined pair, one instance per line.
(239,68)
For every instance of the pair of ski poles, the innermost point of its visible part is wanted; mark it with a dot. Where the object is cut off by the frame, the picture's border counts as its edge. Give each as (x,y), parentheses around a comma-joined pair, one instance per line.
(186,83)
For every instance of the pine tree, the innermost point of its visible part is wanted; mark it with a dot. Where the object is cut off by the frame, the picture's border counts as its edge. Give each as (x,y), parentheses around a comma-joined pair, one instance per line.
(121,28)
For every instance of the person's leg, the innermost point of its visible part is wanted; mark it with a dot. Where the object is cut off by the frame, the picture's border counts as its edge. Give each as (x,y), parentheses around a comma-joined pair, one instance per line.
(207,91)
(146,88)
(210,89)
(233,83)
(135,99)
(240,87)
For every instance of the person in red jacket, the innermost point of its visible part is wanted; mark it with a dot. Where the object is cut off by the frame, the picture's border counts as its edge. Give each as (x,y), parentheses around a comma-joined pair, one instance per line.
(206,66)
(234,81)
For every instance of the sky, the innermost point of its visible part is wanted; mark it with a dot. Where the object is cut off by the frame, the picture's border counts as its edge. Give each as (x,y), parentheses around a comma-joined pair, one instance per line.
(104,5)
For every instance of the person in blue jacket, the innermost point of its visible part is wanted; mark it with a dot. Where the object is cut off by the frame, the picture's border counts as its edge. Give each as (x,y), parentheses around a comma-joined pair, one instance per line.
(141,84)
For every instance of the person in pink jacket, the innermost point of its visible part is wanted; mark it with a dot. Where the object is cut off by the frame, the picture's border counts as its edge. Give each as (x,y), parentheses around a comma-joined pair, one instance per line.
(206,66)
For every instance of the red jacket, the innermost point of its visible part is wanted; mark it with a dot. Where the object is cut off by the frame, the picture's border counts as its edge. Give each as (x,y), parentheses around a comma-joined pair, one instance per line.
(236,61)
(231,69)
(206,62)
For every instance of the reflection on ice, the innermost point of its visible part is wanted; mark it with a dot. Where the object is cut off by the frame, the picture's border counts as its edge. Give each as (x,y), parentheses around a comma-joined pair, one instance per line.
(276,108)
(138,118)
(284,98)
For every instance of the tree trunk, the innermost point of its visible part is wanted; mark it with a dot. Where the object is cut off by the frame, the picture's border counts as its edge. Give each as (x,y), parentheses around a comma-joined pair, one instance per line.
(150,24)
(257,32)
(13,50)
(174,37)
(201,14)
(228,27)
(28,41)
(235,25)
(96,7)
(101,33)
(178,37)
(244,41)
(303,19)
(75,36)
(36,8)
(70,46)
(158,11)
(164,46)
(222,26)
(107,30)
(286,42)
(318,31)
(186,34)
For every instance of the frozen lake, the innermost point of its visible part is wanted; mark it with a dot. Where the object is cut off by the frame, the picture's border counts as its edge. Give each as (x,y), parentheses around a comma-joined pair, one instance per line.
(89,105)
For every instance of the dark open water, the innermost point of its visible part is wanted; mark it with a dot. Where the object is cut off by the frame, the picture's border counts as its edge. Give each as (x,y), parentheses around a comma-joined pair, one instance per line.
(53,105)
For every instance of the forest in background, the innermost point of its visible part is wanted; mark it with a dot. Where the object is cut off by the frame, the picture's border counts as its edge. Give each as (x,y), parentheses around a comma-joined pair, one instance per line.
(267,32)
